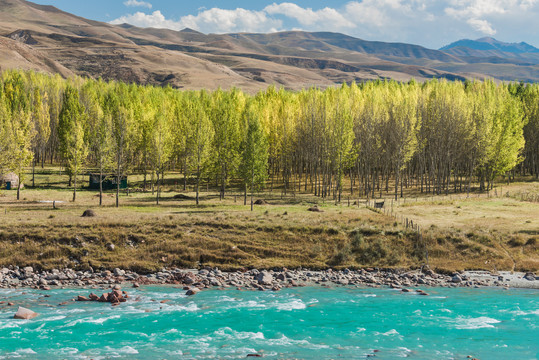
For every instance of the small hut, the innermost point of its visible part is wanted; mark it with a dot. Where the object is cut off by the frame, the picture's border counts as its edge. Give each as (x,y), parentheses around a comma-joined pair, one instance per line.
(109,182)
(9,181)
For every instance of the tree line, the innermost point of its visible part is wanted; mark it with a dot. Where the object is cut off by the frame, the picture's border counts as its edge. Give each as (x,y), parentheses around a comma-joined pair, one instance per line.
(362,139)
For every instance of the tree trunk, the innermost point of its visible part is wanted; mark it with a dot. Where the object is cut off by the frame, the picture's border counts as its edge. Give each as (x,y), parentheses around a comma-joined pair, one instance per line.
(19,188)
(158,188)
(252,187)
(75,188)
(101,185)
(198,181)
(34,173)
(118,186)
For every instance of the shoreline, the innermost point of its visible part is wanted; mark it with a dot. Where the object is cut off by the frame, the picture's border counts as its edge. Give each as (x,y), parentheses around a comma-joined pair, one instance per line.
(195,280)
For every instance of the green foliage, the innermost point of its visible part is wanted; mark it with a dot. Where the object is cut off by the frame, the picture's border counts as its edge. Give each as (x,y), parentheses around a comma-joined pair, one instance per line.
(435,133)
(71,134)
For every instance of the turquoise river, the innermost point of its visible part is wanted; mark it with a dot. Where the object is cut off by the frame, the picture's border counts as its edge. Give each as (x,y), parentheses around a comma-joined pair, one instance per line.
(299,323)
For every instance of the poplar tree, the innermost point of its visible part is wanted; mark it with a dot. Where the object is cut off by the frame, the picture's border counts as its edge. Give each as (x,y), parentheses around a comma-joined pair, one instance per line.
(199,135)
(254,155)
(71,134)
(41,126)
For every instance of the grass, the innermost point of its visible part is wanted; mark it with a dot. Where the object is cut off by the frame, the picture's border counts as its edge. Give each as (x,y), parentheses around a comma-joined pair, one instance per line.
(458,232)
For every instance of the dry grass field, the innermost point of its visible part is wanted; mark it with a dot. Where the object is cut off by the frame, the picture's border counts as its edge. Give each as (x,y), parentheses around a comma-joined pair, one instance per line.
(491,232)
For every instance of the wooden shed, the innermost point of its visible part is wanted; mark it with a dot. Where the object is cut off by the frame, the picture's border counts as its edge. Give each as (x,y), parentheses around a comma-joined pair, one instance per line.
(109,182)
(9,181)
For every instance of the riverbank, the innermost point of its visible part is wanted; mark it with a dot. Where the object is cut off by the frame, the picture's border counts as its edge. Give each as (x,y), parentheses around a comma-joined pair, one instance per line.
(254,279)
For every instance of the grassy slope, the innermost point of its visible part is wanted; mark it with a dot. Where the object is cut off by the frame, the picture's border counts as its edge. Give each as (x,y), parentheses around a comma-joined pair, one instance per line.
(475,233)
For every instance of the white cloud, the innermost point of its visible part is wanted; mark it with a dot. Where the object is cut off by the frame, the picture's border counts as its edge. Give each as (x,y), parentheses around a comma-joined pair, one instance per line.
(210,21)
(482,26)
(427,22)
(137,3)
(327,17)
(479,14)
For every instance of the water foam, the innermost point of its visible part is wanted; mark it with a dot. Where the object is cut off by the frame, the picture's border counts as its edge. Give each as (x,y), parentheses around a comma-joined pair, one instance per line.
(475,323)
(292,305)
(91,320)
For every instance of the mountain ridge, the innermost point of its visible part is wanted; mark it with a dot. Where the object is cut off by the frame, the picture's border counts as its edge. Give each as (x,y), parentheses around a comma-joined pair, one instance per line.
(48,39)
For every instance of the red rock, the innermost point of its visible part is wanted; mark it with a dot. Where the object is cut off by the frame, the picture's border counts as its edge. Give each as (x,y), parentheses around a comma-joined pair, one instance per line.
(104,298)
(94,297)
(82,298)
(192,291)
(136,285)
(25,314)
(10,304)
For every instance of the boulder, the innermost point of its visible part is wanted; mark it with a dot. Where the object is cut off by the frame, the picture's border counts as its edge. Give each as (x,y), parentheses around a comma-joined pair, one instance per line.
(261,202)
(264,278)
(119,272)
(82,298)
(89,213)
(529,276)
(25,314)
(192,291)
(456,279)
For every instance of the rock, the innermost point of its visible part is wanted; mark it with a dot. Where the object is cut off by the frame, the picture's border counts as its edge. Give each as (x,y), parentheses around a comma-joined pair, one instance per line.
(25,314)
(260,202)
(42,281)
(111,247)
(82,298)
(315,209)
(104,298)
(136,285)
(28,270)
(10,304)
(254,355)
(281,277)
(89,213)
(93,297)
(192,291)
(118,272)
(456,279)
(264,278)
(529,276)
(406,290)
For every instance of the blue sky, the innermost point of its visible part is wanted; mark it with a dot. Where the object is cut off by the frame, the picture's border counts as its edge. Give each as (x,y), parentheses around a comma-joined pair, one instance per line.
(431,23)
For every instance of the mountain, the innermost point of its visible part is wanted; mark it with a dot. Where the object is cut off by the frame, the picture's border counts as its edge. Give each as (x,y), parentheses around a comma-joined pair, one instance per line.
(488,43)
(47,39)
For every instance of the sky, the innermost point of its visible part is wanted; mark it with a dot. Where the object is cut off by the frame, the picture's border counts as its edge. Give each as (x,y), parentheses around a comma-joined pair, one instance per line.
(430,23)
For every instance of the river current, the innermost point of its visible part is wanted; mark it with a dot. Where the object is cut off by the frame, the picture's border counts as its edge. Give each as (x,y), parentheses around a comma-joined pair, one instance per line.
(298,323)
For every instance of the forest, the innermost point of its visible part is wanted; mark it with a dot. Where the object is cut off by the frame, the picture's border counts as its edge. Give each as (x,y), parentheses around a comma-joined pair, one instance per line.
(357,139)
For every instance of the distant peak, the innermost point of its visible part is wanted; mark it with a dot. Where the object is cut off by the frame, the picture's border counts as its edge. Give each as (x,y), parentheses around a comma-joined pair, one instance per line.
(489,43)
(189,30)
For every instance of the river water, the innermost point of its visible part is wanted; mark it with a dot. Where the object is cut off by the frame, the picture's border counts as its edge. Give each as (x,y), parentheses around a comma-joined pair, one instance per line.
(299,323)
